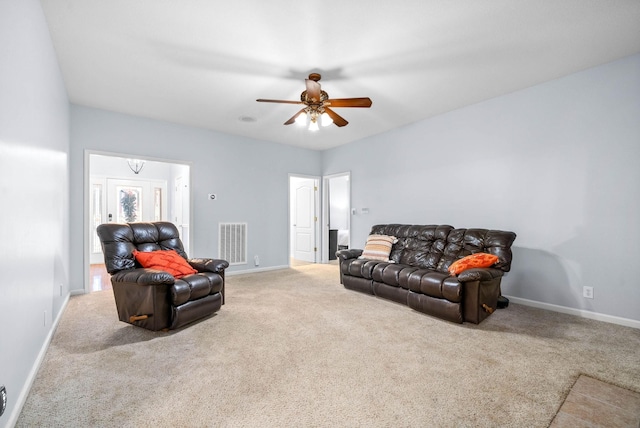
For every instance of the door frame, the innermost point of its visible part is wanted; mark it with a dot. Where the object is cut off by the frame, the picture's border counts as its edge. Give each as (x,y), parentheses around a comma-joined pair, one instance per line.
(316,213)
(326,206)
(178,204)
(87,200)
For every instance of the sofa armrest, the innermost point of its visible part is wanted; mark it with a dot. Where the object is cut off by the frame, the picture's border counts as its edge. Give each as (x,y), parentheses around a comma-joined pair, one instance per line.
(480,274)
(144,276)
(209,265)
(350,253)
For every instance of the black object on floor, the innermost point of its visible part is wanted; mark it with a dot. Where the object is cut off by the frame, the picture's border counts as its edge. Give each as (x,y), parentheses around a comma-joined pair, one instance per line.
(503,302)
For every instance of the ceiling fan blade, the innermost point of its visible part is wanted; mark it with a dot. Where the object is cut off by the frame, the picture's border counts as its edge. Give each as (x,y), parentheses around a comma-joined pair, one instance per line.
(293,118)
(261,100)
(349,102)
(337,119)
(313,91)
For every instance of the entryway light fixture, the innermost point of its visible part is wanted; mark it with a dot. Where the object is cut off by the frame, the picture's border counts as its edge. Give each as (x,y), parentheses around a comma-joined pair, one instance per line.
(136,165)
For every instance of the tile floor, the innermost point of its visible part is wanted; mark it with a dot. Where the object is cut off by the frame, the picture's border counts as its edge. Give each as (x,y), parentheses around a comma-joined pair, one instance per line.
(593,403)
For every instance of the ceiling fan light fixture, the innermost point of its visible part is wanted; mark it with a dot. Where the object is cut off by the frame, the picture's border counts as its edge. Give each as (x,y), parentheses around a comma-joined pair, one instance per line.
(325,119)
(313,125)
(302,119)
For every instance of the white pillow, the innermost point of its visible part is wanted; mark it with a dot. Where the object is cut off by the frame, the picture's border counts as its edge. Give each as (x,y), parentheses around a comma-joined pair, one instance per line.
(378,247)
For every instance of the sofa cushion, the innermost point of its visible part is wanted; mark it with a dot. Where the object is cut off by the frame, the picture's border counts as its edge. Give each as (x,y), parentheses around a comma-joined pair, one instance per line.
(361,268)
(435,284)
(387,273)
(378,247)
(396,275)
(166,260)
(477,260)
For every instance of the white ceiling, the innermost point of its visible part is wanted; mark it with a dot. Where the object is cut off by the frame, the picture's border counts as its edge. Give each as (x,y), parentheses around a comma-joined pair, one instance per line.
(204,63)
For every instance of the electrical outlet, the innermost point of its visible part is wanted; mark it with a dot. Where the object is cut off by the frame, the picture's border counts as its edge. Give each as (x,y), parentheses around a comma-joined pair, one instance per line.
(587,292)
(256,260)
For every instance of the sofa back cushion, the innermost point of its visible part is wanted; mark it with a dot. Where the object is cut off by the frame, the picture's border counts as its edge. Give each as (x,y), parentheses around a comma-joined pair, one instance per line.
(435,247)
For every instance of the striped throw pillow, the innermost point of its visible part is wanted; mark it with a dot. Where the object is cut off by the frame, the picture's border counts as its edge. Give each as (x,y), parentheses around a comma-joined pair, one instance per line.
(378,247)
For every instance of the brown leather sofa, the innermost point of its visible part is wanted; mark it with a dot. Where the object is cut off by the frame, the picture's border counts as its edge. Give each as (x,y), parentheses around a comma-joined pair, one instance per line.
(419,276)
(152,298)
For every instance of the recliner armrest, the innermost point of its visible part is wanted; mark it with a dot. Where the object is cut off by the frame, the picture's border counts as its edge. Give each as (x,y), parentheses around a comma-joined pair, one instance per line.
(349,253)
(209,265)
(479,274)
(144,276)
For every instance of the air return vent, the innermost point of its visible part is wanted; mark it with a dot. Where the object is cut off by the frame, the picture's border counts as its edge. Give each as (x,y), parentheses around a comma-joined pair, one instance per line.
(232,246)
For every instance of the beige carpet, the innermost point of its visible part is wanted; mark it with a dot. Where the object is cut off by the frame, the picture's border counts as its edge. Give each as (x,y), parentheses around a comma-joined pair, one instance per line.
(294,348)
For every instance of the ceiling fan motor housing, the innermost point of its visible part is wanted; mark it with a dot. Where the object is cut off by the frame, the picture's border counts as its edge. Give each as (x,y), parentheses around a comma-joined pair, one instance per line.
(323,97)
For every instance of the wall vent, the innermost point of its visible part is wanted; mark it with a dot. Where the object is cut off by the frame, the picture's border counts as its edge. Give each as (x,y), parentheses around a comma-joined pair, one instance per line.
(232,246)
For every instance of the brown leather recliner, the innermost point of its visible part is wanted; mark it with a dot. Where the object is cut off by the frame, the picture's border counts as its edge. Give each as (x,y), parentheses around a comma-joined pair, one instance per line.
(154,299)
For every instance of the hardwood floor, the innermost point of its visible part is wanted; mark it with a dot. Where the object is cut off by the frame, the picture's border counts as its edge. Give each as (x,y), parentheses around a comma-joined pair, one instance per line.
(99,278)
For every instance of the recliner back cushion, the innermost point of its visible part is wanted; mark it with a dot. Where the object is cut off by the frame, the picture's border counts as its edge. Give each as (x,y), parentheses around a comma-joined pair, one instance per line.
(120,240)
(157,236)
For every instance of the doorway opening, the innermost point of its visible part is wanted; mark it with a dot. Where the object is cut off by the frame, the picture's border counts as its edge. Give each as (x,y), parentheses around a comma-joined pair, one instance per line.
(336,212)
(303,219)
(115,192)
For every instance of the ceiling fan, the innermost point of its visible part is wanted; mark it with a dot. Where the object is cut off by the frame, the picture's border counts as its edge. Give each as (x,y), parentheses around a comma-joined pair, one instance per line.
(318,105)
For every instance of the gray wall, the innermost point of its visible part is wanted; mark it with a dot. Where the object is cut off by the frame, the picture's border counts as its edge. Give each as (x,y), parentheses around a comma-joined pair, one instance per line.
(556,163)
(34,189)
(250,178)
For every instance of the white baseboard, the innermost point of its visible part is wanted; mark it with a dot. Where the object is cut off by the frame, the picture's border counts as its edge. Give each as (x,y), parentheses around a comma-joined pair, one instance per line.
(577,312)
(256,270)
(24,393)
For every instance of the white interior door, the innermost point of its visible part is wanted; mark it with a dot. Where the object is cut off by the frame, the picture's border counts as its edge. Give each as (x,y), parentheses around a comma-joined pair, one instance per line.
(304,219)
